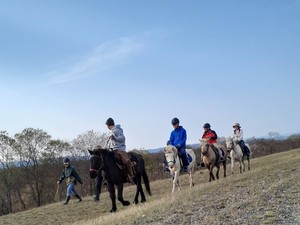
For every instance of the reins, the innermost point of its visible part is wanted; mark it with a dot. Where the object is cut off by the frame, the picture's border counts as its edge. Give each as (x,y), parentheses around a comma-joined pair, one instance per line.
(174,158)
(233,146)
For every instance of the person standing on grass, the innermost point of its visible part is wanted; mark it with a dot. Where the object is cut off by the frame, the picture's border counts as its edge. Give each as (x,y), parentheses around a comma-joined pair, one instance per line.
(72,177)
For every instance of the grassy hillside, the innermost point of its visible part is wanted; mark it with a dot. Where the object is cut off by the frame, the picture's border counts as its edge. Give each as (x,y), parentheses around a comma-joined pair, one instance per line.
(268,194)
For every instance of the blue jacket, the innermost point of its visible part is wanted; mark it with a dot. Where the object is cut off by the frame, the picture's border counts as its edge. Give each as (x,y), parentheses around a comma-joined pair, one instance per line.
(178,137)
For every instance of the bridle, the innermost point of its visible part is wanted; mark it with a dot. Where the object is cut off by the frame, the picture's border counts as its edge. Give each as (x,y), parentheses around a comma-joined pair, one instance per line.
(206,150)
(233,144)
(100,167)
(172,160)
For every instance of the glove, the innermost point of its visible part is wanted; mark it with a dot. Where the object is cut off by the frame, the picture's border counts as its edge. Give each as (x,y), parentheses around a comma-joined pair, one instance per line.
(178,146)
(59,181)
(168,142)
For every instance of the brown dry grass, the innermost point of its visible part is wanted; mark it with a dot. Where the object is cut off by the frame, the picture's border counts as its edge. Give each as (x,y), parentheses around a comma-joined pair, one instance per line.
(268,194)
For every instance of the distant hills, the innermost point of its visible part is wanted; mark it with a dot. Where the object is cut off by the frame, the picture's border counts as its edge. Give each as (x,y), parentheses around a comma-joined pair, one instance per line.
(157,150)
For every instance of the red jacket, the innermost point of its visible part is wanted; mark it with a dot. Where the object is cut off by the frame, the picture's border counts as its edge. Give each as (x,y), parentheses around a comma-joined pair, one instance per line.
(210,136)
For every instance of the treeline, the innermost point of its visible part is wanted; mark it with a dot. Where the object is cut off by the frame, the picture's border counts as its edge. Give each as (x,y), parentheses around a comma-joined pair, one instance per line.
(31,162)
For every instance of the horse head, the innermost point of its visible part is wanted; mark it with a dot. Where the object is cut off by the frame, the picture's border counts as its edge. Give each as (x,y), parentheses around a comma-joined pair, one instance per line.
(96,161)
(171,155)
(204,146)
(230,144)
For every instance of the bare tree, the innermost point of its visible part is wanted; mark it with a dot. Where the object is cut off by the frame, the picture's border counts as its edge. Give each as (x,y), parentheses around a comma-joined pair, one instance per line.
(85,141)
(31,143)
(7,172)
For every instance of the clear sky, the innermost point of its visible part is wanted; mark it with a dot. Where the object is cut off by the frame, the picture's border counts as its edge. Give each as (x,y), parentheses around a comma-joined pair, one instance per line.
(66,66)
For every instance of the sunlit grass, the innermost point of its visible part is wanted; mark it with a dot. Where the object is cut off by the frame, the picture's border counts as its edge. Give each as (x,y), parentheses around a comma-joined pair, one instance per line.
(253,197)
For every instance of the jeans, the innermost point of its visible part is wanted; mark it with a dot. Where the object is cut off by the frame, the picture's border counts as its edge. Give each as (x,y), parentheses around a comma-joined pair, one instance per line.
(71,189)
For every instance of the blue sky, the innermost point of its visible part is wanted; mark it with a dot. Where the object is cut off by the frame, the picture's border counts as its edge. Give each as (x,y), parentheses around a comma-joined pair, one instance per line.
(66,66)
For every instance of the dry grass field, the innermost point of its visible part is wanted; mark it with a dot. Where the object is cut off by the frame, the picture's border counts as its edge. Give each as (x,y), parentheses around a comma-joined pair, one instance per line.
(268,194)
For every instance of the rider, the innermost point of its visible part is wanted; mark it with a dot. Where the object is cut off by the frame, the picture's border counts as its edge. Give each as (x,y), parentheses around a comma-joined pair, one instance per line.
(212,137)
(72,176)
(238,138)
(117,144)
(178,139)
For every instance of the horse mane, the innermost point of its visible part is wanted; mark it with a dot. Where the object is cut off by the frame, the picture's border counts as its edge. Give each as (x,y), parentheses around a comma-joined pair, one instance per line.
(171,148)
(228,138)
(203,141)
(102,151)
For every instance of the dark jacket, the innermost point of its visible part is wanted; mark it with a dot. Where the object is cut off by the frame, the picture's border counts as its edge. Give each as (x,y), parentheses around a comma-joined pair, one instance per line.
(71,174)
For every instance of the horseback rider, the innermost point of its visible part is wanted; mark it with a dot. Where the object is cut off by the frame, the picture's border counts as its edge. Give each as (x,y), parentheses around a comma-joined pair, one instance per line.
(72,177)
(178,139)
(117,144)
(238,138)
(212,137)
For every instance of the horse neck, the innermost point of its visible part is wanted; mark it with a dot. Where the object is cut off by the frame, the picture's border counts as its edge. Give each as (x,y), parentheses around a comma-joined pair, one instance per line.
(107,157)
(237,149)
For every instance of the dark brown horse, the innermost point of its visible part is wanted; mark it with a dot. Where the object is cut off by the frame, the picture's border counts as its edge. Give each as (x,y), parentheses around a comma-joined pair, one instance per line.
(103,160)
(211,158)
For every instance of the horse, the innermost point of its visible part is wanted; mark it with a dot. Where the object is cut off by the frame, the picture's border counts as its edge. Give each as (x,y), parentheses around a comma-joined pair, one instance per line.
(175,166)
(211,159)
(103,160)
(237,153)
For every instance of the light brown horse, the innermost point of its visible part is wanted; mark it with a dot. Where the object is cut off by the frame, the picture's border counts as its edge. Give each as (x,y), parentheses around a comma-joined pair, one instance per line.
(211,160)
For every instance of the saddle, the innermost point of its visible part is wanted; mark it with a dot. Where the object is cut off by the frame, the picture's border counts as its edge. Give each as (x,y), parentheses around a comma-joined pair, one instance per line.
(216,151)
(244,150)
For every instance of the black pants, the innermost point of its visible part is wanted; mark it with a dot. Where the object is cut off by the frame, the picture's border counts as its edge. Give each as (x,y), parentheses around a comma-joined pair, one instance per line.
(244,147)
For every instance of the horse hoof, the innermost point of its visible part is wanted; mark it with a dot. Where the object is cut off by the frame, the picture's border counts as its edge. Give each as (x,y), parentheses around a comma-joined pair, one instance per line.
(113,210)
(135,202)
(143,200)
(126,203)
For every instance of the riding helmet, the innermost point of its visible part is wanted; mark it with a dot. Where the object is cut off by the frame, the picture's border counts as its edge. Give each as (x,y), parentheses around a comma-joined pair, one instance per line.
(206,125)
(175,121)
(110,122)
(66,160)
(236,125)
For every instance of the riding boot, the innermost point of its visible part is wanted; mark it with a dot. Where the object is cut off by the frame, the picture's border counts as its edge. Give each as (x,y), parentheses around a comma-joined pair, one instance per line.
(67,200)
(77,196)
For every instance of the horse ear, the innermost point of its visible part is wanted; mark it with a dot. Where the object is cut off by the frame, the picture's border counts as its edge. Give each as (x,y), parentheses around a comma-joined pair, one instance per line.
(203,141)
(91,152)
(164,150)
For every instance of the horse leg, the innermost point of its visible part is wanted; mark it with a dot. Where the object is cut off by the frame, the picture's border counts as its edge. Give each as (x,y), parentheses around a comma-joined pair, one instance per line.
(224,168)
(139,190)
(211,175)
(232,164)
(217,173)
(191,177)
(120,195)
(112,195)
(248,163)
(143,198)
(243,165)
(175,181)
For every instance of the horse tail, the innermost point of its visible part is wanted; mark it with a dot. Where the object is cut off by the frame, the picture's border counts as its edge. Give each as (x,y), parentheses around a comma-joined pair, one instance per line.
(146,182)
